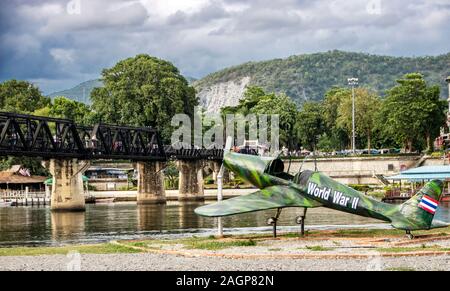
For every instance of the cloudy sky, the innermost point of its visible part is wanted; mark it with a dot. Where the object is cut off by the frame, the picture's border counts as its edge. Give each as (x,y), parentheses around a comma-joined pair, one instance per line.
(58,44)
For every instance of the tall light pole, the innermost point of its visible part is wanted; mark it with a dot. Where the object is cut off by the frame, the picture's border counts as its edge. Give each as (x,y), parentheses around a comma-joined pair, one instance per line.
(353,82)
(448,114)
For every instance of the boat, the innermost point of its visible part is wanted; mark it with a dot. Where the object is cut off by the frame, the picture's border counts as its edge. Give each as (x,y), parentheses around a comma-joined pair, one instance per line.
(90,199)
(6,203)
(104,200)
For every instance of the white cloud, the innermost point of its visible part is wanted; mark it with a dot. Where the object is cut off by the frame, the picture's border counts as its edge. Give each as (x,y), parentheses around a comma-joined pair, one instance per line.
(63,56)
(164,8)
(200,36)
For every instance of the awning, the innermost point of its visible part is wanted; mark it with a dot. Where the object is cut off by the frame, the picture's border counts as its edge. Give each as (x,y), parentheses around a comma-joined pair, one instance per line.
(423,174)
(49,182)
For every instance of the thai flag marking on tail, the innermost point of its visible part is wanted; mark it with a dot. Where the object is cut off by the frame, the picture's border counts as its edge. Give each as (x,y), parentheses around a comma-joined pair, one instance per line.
(429,204)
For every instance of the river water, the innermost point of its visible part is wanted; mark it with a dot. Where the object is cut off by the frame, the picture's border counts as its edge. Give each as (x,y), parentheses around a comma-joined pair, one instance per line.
(27,226)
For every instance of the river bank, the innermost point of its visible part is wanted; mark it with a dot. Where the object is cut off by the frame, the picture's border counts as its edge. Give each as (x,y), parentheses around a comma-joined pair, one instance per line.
(356,249)
(171,195)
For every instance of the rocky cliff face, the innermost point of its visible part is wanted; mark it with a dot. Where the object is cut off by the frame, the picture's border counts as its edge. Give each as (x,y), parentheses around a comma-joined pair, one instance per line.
(308,77)
(222,94)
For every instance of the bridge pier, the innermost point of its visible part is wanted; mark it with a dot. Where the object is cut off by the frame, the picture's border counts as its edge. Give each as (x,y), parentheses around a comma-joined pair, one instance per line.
(67,188)
(191,180)
(151,183)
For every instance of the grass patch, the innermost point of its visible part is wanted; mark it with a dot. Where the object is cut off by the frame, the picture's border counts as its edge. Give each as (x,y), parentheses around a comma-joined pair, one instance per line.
(218,245)
(355,233)
(366,232)
(402,269)
(201,243)
(139,244)
(413,249)
(87,249)
(318,248)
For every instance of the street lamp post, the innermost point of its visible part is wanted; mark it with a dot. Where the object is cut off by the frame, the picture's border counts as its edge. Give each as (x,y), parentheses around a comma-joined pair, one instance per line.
(353,82)
(448,114)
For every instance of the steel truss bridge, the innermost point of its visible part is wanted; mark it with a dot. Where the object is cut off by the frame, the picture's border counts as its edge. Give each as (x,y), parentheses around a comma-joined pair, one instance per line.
(53,138)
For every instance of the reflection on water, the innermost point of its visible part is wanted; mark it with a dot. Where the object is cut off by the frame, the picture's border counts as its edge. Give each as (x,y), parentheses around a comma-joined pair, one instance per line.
(65,225)
(36,226)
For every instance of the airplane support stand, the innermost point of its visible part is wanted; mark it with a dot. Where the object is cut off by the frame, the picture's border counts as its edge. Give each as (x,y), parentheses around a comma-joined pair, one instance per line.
(273,221)
(301,221)
(409,235)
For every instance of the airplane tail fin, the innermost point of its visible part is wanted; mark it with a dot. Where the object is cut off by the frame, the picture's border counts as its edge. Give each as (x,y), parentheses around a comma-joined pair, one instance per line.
(418,212)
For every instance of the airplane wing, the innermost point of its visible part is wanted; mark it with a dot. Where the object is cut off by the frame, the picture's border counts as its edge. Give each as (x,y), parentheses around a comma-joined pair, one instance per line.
(269,198)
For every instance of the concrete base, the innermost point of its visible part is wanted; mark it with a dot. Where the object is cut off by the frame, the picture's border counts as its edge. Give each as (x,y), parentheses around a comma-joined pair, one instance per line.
(191,186)
(67,189)
(151,183)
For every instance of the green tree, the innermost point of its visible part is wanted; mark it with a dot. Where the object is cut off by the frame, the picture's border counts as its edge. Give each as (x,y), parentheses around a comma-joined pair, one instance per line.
(412,112)
(286,109)
(143,91)
(367,104)
(336,136)
(21,97)
(310,124)
(432,115)
(252,96)
(257,101)
(63,107)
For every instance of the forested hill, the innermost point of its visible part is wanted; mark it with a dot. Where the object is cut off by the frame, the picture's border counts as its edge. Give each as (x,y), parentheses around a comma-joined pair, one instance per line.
(81,92)
(309,76)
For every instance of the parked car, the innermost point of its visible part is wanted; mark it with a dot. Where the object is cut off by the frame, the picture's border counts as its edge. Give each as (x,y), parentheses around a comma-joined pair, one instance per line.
(372,152)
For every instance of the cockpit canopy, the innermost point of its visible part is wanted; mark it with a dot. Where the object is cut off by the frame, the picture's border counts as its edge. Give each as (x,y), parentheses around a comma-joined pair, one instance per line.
(275,167)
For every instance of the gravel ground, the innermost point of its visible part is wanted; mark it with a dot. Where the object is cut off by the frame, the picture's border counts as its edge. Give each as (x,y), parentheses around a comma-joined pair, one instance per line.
(154,262)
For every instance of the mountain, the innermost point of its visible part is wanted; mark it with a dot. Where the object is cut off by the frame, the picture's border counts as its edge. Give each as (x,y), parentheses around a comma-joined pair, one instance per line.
(80,93)
(308,77)
(190,79)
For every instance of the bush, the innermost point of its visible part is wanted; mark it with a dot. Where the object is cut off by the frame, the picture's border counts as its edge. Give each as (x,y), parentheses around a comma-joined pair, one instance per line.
(129,188)
(209,181)
(437,155)
(361,188)
(92,188)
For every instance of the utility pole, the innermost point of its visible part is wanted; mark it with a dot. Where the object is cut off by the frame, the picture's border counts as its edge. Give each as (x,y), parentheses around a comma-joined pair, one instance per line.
(220,185)
(448,114)
(353,82)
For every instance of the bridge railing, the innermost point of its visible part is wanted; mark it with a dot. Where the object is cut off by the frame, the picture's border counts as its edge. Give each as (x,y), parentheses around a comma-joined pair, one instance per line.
(26,135)
(35,136)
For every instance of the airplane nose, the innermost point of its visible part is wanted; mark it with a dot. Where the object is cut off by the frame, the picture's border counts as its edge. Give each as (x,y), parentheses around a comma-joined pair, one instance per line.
(240,163)
(248,167)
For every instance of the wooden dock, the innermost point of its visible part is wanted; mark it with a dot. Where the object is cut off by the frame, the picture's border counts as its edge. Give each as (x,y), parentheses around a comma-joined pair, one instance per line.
(24,198)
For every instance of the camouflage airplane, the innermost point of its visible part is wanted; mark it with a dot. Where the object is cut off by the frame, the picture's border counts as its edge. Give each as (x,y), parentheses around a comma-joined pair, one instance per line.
(308,189)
